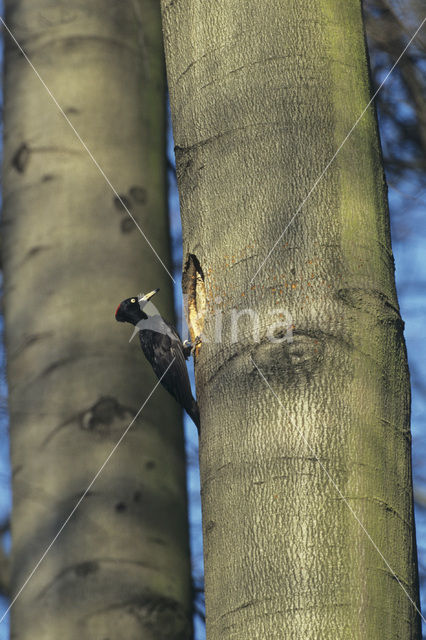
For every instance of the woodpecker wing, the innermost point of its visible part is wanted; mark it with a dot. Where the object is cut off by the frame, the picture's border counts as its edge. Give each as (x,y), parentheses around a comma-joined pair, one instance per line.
(161,348)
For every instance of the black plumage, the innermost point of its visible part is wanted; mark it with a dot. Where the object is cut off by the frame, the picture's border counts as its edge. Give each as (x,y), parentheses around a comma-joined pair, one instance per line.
(162,347)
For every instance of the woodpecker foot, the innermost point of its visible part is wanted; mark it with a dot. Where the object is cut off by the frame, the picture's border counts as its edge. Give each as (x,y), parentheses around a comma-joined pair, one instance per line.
(189,348)
(196,345)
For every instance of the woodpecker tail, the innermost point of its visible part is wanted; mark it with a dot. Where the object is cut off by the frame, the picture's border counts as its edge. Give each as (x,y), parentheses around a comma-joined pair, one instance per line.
(194,413)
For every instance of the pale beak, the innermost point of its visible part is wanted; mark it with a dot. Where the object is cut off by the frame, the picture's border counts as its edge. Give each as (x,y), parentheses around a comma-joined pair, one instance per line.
(145,298)
(149,295)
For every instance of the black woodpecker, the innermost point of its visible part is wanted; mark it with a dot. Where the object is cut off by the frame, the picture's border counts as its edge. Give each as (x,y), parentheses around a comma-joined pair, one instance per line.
(161,344)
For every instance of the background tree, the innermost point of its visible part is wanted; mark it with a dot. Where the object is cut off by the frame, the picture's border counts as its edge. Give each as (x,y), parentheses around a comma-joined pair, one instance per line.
(402,103)
(71,252)
(261,99)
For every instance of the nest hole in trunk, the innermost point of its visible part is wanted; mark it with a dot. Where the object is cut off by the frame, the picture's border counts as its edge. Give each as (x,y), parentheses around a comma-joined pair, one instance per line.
(194,290)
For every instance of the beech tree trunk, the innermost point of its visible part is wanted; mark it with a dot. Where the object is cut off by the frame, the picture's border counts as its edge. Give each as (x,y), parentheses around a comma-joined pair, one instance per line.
(71,253)
(305,443)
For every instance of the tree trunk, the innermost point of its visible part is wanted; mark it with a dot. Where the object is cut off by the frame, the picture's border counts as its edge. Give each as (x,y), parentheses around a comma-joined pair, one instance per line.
(305,443)
(120,568)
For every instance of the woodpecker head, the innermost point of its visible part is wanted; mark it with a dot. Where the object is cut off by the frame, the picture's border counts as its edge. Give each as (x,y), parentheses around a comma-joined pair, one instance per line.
(131,309)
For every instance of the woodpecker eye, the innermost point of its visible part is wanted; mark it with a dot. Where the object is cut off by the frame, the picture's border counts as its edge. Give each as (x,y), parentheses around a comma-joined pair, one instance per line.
(133,300)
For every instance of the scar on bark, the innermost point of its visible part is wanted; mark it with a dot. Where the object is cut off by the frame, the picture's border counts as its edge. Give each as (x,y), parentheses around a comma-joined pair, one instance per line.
(21,158)
(194,289)
(96,418)
(121,202)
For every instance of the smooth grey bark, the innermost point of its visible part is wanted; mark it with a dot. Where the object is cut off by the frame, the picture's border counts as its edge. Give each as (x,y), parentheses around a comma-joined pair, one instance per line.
(120,568)
(262,95)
